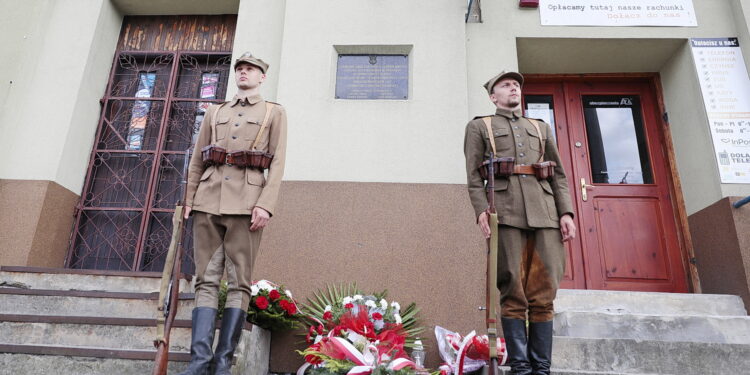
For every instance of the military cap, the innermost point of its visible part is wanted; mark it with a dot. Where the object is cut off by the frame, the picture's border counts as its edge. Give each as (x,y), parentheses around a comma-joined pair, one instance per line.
(248,57)
(504,74)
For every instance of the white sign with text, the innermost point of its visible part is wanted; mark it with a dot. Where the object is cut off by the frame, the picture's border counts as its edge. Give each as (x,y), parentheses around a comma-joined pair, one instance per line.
(617,13)
(726,94)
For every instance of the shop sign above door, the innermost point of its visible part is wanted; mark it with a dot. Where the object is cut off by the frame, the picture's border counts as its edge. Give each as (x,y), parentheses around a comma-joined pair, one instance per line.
(726,94)
(617,13)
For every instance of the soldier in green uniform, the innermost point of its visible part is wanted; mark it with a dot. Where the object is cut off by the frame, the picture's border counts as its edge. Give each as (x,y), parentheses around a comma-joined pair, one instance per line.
(231,200)
(535,217)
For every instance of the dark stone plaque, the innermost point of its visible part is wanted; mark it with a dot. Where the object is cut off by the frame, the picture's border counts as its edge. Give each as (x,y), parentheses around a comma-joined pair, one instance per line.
(372,77)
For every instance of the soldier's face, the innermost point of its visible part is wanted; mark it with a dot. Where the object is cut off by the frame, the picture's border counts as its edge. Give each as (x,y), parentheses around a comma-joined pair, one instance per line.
(506,93)
(248,76)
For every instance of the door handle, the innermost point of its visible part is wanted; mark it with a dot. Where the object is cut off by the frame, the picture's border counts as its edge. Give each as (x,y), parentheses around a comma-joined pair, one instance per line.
(584,192)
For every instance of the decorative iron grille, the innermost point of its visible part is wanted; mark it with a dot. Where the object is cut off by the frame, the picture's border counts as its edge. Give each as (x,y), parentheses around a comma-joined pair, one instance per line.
(152,109)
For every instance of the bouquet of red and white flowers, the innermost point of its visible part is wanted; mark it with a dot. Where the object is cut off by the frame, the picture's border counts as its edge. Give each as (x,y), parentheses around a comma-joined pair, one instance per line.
(272,307)
(358,334)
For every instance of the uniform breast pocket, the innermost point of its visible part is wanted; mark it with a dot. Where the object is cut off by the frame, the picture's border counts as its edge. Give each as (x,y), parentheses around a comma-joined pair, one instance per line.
(252,126)
(535,143)
(222,126)
(503,140)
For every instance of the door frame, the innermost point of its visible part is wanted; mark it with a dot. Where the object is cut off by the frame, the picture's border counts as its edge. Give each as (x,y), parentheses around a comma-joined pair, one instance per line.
(675,187)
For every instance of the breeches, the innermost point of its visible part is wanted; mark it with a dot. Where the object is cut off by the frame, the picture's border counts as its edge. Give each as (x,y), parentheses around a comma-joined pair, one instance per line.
(530,266)
(223,242)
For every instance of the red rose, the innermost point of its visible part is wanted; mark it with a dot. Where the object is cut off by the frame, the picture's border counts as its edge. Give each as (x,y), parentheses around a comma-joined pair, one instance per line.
(284,303)
(327,315)
(377,316)
(274,294)
(320,329)
(291,308)
(261,302)
(349,306)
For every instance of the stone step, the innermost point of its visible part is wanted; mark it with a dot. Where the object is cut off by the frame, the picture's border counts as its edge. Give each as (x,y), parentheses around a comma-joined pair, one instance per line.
(123,337)
(684,328)
(69,365)
(649,357)
(648,303)
(65,279)
(86,303)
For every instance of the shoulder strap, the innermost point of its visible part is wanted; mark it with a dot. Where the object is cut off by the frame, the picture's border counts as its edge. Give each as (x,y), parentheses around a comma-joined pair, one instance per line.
(490,135)
(269,107)
(539,133)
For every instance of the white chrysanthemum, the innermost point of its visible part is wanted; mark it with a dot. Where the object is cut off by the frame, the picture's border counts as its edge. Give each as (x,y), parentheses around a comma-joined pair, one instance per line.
(328,308)
(265,285)
(396,306)
(317,339)
(371,304)
(397,318)
(383,304)
(254,290)
(357,297)
(288,293)
(346,300)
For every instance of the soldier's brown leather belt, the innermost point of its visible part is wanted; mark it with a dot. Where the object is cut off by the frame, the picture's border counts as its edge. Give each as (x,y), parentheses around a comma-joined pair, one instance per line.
(523,169)
(215,155)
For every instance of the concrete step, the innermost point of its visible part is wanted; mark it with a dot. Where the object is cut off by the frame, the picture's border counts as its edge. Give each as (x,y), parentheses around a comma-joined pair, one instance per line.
(648,303)
(683,328)
(649,357)
(122,337)
(64,365)
(84,303)
(63,279)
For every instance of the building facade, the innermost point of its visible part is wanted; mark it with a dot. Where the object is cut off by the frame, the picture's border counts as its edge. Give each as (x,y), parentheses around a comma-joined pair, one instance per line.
(99,98)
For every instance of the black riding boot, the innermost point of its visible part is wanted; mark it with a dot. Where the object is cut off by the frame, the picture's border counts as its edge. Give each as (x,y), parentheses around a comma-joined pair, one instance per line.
(514,331)
(229,336)
(204,324)
(540,347)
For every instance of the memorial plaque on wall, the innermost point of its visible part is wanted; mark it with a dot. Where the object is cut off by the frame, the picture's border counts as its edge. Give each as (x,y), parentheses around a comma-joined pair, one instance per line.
(371,77)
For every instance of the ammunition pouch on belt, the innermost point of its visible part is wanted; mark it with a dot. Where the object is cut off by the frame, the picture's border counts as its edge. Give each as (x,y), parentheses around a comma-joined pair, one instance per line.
(544,170)
(503,167)
(215,155)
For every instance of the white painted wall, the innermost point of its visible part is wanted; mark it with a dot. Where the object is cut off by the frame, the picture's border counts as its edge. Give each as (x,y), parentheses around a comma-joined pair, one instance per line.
(414,140)
(59,68)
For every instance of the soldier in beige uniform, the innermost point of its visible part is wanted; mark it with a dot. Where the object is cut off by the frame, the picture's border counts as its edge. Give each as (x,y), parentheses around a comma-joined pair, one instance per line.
(535,217)
(231,203)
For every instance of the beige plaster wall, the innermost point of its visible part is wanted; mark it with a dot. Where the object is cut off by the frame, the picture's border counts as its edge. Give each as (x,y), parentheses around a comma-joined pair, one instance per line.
(414,140)
(63,52)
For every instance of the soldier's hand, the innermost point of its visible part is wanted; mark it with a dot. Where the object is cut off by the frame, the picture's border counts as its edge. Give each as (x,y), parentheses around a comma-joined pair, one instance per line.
(187,212)
(259,219)
(484,224)
(567,228)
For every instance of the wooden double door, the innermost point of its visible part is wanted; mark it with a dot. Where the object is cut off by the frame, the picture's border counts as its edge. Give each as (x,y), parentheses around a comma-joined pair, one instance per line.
(611,140)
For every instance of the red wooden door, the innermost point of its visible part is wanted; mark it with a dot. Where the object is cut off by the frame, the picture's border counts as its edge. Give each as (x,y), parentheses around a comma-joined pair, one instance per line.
(614,153)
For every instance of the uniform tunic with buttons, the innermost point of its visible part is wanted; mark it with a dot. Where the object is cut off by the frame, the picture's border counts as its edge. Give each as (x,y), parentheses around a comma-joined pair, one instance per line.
(521,201)
(226,189)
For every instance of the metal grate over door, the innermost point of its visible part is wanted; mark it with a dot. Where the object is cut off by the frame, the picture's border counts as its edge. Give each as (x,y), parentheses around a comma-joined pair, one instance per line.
(153,106)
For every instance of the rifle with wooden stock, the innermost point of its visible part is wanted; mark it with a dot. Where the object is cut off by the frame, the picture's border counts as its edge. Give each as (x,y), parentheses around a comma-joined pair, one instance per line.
(491,290)
(170,280)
